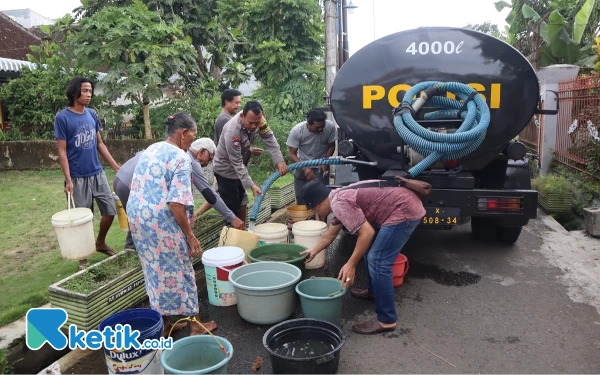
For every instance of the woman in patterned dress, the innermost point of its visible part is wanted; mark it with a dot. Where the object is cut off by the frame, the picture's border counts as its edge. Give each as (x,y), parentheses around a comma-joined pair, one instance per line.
(159,210)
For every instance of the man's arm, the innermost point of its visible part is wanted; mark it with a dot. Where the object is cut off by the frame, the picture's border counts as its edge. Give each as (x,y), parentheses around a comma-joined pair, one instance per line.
(328,154)
(233,146)
(60,133)
(330,150)
(103,150)
(64,164)
(201,183)
(268,138)
(293,152)
(326,240)
(365,238)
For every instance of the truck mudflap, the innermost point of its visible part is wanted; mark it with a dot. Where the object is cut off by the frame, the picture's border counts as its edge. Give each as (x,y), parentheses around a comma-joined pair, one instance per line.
(446,207)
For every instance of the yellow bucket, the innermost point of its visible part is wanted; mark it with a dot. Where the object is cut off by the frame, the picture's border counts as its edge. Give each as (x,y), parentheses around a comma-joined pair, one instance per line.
(298,213)
(123,224)
(238,238)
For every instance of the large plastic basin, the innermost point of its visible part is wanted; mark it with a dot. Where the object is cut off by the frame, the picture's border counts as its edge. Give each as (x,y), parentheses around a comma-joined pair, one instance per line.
(265,291)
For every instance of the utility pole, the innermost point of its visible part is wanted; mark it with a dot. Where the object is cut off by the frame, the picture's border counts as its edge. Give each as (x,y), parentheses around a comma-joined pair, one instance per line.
(340,26)
(330,45)
(331,57)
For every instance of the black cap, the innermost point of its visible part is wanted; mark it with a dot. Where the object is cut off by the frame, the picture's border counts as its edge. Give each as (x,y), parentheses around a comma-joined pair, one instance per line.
(314,192)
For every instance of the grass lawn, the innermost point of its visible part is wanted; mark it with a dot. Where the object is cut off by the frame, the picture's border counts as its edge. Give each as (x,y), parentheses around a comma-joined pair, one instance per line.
(29,248)
(31,259)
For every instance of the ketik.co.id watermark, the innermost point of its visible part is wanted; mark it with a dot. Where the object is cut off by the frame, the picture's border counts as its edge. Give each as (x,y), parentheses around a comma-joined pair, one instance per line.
(44,326)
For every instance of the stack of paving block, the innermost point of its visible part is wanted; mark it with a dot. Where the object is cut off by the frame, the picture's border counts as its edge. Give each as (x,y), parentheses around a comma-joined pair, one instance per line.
(282,196)
(264,213)
(207,230)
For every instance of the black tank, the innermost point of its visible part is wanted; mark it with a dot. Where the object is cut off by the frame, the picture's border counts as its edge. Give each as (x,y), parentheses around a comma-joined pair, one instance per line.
(374,80)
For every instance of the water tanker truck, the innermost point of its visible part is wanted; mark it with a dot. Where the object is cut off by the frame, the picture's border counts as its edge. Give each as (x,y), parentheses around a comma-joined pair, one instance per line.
(443,105)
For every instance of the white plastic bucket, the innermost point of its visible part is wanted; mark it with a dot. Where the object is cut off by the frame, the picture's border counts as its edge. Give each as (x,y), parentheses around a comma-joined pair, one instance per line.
(75,232)
(308,233)
(272,232)
(218,262)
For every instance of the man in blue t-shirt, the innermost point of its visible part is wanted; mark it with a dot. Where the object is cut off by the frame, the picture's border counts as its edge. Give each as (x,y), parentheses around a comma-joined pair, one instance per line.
(77,133)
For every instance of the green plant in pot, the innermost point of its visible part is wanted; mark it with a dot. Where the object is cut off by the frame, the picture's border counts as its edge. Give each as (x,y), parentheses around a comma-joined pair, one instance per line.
(555,193)
(90,295)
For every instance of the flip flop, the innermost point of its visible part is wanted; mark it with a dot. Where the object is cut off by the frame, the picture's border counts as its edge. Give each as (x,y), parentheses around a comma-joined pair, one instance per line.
(107,252)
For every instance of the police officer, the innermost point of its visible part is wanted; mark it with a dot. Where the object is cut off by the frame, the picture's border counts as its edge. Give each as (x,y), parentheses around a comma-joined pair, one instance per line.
(234,149)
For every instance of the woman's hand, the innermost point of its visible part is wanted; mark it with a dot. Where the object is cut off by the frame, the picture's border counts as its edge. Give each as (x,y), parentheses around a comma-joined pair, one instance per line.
(347,274)
(194,244)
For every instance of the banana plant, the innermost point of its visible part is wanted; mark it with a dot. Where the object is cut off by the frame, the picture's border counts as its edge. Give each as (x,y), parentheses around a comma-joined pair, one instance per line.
(559,47)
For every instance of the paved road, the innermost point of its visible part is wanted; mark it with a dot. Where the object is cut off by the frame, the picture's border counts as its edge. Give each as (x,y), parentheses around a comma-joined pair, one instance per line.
(465,307)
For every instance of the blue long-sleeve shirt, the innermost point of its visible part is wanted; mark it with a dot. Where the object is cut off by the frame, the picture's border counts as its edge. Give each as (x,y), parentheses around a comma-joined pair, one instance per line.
(125,174)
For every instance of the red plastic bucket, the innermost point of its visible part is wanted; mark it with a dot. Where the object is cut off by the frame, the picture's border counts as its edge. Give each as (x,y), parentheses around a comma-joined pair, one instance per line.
(399,270)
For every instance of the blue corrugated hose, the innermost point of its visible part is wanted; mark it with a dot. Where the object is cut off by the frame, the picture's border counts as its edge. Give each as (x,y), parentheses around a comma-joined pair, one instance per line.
(440,146)
(276,175)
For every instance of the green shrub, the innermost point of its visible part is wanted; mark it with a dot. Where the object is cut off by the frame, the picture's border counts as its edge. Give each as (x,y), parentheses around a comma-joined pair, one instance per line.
(95,277)
(5,367)
(552,184)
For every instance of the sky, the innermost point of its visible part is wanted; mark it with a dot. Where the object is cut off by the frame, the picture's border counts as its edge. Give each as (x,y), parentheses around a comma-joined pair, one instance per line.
(374,19)
(371,20)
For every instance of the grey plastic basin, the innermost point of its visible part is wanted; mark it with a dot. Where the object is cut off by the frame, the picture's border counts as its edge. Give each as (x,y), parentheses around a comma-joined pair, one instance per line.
(265,291)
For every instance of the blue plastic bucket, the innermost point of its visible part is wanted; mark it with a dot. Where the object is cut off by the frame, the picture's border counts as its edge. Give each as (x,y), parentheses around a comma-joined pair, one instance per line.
(133,361)
(197,355)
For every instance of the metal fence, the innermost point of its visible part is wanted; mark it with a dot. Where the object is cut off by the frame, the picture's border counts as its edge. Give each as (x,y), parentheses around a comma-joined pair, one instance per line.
(577,139)
(531,134)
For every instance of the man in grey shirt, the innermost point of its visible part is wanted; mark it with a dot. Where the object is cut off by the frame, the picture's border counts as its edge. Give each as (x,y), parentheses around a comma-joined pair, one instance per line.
(230,103)
(311,139)
(201,153)
(230,171)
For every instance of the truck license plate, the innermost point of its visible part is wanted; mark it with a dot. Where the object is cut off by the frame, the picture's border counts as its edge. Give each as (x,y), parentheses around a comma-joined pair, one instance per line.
(441,216)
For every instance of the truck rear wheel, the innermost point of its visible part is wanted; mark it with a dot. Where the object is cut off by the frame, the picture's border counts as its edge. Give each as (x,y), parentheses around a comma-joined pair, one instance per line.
(487,229)
(483,229)
(509,234)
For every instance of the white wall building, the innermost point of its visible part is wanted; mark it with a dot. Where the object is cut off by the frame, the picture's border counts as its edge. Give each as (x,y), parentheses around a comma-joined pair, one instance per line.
(28,18)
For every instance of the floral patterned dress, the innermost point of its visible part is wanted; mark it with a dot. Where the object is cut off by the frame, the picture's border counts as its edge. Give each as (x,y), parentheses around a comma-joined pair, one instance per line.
(163,175)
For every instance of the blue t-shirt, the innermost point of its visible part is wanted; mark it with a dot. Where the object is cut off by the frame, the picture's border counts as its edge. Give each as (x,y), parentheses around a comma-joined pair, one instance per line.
(79,130)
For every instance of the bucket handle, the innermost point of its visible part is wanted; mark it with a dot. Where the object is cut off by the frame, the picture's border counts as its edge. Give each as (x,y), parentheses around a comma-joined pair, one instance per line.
(70,201)
(405,268)
(336,293)
(228,271)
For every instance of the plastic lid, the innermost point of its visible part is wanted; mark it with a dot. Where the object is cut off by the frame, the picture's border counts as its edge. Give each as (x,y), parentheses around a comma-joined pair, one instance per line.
(270,228)
(223,256)
(72,217)
(309,225)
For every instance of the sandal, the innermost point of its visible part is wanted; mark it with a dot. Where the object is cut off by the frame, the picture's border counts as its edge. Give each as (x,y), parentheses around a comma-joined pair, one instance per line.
(371,327)
(109,252)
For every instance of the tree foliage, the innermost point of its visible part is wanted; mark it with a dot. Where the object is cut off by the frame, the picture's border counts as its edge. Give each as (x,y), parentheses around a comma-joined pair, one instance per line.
(34,99)
(488,28)
(284,47)
(213,40)
(142,45)
(563,30)
(140,50)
